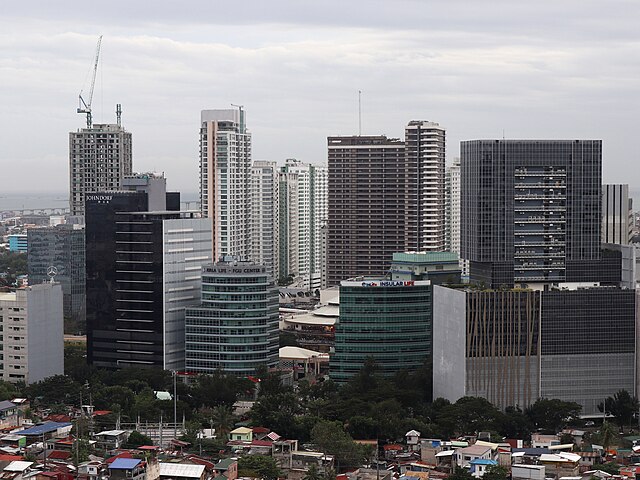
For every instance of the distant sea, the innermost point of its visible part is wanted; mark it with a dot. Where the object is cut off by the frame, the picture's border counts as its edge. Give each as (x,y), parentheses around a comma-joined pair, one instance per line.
(20,201)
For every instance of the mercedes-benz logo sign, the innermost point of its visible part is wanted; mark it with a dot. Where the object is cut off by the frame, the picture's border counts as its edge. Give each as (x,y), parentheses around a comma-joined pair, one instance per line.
(52,271)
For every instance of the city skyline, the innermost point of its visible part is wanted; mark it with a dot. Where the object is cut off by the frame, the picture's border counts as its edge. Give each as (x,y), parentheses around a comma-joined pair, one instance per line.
(522,71)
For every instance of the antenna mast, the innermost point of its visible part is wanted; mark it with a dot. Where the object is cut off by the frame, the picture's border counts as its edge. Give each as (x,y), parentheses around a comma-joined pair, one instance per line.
(359,113)
(83,106)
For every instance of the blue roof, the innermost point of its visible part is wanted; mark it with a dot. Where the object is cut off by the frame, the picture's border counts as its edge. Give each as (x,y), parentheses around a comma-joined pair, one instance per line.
(483,461)
(46,427)
(124,463)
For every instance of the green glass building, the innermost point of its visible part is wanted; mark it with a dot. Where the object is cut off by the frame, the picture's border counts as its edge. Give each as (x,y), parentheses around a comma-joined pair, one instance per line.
(387,320)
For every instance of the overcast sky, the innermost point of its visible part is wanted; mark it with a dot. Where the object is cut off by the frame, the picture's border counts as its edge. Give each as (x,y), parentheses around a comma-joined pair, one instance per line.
(534,69)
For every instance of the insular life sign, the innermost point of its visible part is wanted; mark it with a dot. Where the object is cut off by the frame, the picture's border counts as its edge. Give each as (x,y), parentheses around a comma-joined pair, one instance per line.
(389,283)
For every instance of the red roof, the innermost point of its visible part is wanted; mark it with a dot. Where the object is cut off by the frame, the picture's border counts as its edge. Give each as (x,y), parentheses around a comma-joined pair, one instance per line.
(99,413)
(10,458)
(261,443)
(59,454)
(120,455)
(260,430)
(58,417)
(201,461)
(392,446)
(148,447)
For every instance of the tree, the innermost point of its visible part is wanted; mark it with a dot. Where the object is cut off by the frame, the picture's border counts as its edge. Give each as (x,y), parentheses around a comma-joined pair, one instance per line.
(137,439)
(496,472)
(551,415)
(469,415)
(331,438)
(222,420)
(313,473)
(258,466)
(622,406)
(461,474)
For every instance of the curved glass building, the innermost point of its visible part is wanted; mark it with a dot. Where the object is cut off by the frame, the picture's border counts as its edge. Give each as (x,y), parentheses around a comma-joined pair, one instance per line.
(235,328)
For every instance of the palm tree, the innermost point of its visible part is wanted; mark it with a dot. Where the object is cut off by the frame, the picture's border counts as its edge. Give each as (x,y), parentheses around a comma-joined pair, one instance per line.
(222,420)
(313,473)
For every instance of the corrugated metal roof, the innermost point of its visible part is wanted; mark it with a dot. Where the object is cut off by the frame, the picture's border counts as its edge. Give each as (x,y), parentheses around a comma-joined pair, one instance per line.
(124,463)
(181,470)
(46,427)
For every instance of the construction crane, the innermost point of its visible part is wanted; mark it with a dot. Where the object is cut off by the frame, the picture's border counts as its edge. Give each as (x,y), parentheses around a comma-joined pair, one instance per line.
(85,106)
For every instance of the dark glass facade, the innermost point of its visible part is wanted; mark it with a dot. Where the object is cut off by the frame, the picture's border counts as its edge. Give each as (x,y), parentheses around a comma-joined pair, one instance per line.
(529,207)
(101,229)
(61,247)
(391,324)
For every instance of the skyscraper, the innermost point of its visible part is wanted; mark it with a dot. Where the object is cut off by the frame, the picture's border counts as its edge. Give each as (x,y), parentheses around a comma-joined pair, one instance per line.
(264,216)
(143,269)
(99,158)
(225,180)
(530,210)
(367,218)
(425,159)
(385,195)
(303,212)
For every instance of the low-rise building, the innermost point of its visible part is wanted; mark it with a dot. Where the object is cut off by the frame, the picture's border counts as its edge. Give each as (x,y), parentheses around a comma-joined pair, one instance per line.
(464,456)
(181,471)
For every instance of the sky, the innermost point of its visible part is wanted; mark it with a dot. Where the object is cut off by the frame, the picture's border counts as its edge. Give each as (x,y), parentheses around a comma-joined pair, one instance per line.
(482,69)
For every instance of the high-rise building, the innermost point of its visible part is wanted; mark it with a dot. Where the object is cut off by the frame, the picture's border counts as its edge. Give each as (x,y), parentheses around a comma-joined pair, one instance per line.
(264,216)
(617,214)
(425,160)
(60,247)
(33,340)
(99,158)
(367,217)
(452,213)
(225,180)
(235,328)
(383,319)
(385,195)
(303,212)
(143,269)
(530,210)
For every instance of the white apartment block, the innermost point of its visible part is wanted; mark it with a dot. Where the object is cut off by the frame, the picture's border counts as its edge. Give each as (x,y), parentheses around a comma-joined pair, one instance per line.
(99,158)
(265,214)
(453,212)
(303,212)
(425,144)
(225,180)
(31,335)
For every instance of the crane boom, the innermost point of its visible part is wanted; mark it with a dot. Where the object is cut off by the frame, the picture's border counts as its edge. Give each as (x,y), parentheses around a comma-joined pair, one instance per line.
(85,107)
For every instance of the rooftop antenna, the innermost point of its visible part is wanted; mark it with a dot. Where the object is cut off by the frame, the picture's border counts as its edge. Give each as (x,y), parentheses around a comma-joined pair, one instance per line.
(359,113)
(84,106)
(119,114)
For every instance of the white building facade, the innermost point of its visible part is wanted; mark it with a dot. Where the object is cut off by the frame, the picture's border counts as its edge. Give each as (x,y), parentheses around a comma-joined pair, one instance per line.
(303,213)
(225,180)
(265,215)
(32,340)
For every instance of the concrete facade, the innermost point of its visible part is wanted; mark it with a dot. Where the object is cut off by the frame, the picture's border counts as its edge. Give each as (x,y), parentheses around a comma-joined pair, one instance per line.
(32,342)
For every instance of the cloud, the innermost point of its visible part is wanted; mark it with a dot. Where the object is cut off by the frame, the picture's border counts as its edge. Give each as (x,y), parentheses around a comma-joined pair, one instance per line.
(532,69)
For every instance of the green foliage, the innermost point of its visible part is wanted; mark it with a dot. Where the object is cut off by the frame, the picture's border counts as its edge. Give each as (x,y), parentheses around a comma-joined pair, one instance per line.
(81,451)
(331,438)
(52,390)
(9,390)
(622,406)
(461,474)
(551,415)
(610,467)
(258,466)
(469,415)
(14,263)
(496,472)
(222,420)
(137,439)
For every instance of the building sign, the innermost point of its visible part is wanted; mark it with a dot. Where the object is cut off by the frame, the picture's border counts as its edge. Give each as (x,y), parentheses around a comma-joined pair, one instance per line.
(99,198)
(389,283)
